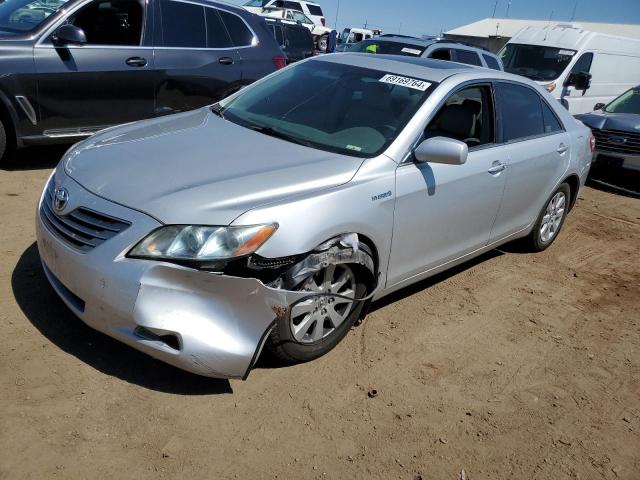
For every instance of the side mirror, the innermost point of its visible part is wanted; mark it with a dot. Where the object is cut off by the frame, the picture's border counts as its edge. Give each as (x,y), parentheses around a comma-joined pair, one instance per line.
(442,150)
(580,80)
(599,106)
(69,35)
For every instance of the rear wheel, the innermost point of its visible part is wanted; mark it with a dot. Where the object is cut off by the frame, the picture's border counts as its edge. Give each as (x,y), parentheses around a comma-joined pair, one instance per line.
(550,220)
(4,150)
(322,43)
(316,325)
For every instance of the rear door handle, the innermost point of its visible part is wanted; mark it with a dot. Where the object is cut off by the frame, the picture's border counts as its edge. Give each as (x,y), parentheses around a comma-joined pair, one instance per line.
(226,61)
(136,62)
(496,168)
(562,148)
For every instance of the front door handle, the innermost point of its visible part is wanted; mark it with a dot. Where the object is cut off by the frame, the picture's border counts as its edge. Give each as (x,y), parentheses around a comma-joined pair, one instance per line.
(496,168)
(136,62)
(562,149)
(226,61)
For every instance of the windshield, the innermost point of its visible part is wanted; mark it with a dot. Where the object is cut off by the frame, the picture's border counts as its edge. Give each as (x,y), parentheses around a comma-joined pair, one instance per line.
(255,3)
(330,106)
(26,15)
(628,102)
(388,48)
(534,61)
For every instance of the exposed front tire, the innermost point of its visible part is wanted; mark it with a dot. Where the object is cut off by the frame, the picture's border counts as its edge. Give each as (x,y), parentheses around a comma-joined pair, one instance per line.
(550,220)
(318,324)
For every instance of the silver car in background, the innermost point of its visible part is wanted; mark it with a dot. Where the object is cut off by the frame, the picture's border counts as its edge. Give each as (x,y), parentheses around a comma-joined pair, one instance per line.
(276,216)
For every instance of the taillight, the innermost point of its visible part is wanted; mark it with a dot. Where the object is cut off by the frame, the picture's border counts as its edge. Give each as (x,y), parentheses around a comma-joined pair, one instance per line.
(323,22)
(592,144)
(279,62)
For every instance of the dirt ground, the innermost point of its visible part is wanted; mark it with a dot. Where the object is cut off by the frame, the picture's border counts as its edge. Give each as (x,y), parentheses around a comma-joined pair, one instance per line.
(513,366)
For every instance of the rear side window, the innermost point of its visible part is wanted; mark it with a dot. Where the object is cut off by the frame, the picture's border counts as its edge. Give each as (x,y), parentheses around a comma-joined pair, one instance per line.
(183,25)
(520,112)
(468,57)
(315,10)
(491,62)
(441,54)
(241,36)
(551,122)
(217,36)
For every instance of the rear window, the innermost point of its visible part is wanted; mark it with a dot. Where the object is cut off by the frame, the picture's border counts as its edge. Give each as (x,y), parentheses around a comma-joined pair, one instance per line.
(468,57)
(491,62)
(240,34)
(388,48)
(315,10)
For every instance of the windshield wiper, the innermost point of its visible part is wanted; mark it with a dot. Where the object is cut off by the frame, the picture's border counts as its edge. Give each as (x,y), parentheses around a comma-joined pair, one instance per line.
(217,109)
(278,134)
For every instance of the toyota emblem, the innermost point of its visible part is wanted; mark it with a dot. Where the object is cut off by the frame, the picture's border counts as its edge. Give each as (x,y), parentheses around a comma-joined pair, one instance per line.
(60,199)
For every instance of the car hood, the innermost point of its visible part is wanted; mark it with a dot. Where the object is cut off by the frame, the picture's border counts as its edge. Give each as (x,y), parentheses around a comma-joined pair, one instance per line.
(626,122)
(196,168)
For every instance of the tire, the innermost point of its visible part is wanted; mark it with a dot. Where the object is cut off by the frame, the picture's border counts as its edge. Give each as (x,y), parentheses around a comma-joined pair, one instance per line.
(288,339)
(322,42)
(4,150)
(550,220)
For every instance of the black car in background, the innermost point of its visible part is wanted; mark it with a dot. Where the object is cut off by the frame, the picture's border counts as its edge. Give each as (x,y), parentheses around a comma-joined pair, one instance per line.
(616,128)
(294,39)
(68,69)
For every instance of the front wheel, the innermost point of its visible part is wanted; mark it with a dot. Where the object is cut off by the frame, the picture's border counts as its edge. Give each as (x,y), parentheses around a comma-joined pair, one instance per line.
(550,220)
(316,325)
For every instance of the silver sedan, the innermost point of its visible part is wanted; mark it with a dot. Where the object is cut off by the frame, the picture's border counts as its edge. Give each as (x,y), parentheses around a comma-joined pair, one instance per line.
(275,217)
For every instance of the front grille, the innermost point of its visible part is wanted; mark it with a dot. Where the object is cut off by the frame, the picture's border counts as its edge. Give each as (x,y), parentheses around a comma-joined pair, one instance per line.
(83,228)
(604,142)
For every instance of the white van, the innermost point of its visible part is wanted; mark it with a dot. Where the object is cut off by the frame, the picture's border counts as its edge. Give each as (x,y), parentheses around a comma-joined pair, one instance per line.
(580,68)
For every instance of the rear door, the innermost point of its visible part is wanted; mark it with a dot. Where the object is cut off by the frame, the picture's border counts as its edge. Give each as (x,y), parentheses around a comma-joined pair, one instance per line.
(537,151)
(196,60)
(108,80)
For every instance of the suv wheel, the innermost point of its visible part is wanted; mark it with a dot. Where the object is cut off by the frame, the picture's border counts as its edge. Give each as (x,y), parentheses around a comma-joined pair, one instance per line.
(322,42)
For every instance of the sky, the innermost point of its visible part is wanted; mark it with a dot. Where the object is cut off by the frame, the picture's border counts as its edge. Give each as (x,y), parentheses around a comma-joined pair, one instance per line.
(417,17)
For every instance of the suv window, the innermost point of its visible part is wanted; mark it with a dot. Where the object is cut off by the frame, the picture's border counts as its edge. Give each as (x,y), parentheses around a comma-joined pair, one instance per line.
(217,36)
(491,62)
(315,10)
(468,57)
(241,36)
(520,112)
(551,122)
(467,116)
(183,25)
(441,54)
(278,34)
(300,38)
(293,5)
(111,22)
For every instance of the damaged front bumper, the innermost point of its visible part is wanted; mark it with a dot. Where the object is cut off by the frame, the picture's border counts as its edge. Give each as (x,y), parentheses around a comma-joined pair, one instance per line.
(206,323)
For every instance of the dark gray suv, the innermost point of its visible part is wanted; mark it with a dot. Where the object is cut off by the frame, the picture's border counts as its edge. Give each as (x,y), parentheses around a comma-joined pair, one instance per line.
(69,69)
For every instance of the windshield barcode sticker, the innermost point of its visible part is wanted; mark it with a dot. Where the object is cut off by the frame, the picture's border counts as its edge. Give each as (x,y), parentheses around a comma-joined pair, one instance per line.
(412,51)
(405,82)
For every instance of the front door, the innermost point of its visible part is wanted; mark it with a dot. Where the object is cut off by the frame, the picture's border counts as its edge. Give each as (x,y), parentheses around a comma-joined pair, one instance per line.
(444,212)
(107,81)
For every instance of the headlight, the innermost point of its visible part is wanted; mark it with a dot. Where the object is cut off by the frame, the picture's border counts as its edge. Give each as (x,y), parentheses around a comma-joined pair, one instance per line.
(550,87)
(202,243)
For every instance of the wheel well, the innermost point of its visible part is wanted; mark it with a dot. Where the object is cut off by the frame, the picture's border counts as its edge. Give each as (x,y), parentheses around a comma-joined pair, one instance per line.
(574,185)
(7,123)
(374,251)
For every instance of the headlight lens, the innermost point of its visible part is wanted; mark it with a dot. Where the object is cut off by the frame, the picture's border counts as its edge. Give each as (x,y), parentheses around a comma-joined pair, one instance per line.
(202,243)
(550,87)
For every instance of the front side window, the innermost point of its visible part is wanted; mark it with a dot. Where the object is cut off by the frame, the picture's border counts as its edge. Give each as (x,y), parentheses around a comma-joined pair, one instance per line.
(382,47)
(329,106)
(20,16)
(292,5)
(583,64)
(468,57)
(183,25)
(467,116)
(536,62)
(111,22)
(628,102)
(520,112)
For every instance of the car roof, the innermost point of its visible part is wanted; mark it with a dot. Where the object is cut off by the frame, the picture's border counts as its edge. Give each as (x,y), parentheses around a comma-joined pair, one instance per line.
(418,67)
(423,68)
(401,39)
